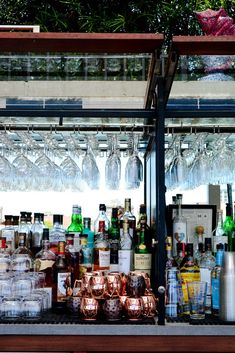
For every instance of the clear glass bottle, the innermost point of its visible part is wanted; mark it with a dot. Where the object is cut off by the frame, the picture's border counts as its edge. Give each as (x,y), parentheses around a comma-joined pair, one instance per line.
(44,262)
(142,252)
(114,240)
(101,249)
(129,216)
(86,256)
(179,225)
(87,230)
(170,260)
(24,227)
(37,231)
(125,252)
(5,257)
(57,232)
(62,279)
(22,251)
(76,225)
(219,235)
(189,272)
(215,280)
(102,216)
(180,248)
(8,232)
(207,263)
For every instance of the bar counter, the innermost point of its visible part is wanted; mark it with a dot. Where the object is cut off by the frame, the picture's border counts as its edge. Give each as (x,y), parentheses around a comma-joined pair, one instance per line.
(88,337)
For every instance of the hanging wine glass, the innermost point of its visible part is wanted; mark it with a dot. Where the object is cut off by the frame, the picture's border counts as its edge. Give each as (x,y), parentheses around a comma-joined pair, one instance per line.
(113,165)
(134,166)
(90,171)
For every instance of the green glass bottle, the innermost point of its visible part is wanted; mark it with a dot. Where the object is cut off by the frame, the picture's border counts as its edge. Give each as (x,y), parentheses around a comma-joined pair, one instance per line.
(143,253)
(76,225)
(228,226)
(114,240)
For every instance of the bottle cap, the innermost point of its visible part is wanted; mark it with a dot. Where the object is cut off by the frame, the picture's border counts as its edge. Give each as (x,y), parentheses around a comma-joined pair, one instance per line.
(45,234)
(115,212)
(142,208)
(102,207)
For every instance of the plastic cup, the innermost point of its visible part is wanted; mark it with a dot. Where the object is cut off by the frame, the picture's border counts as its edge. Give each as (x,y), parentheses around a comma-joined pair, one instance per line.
(197,299)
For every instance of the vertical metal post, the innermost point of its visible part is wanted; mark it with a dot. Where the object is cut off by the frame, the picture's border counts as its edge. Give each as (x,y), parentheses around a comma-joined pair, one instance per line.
(160,199)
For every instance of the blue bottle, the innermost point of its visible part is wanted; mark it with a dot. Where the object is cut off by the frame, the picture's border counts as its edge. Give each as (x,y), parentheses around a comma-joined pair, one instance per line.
(215,281)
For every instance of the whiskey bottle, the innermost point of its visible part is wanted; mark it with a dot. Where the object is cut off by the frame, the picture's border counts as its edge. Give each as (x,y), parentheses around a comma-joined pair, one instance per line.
(101,249)
(62,279)
(143,253)
(129,216)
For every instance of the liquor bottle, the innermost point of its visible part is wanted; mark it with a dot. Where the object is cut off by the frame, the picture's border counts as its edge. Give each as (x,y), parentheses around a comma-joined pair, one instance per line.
(228,226)
(76,225)
(62,279)
(87,230)
(125,252)
(207,263)
(8,232)
(219,235)
(215,280)
(57,232)
(102,216)
(199,253)
(179,225)
(37,231)
(22,249)
(44,262)
(86,256)
(23,228)
(142,219)
(101,249)
(29,223)
(170,260)
(180,248)
(128,215)
(72,255)
(142,252)
(5,257)
(114,240)
(189,272)
(198,239)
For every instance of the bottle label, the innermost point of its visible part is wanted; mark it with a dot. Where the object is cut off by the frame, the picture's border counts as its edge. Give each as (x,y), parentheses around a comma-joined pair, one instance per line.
(142,262)
(206,277)
(125,260)
(10,238)
(114,245)
(41,265)
(179,235)
(104,258)
(63,285)
(215,289)
(76,241)
(188,277)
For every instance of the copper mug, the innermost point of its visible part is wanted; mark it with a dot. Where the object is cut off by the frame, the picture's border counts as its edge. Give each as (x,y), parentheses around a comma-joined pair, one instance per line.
(149,302)
(135,285)
(112,308)
(89,308)
(134,308)
(98,285)
(114,284)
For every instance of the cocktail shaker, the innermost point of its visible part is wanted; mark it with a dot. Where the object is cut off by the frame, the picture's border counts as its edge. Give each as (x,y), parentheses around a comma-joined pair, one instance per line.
(227,287)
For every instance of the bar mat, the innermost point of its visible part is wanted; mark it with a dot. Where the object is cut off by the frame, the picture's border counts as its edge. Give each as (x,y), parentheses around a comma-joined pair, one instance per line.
(50,317)
(209,320)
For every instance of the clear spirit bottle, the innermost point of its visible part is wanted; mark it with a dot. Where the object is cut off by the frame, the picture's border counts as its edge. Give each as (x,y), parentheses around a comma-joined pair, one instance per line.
(101,249)
(179,225)
(125,252)
(219,235)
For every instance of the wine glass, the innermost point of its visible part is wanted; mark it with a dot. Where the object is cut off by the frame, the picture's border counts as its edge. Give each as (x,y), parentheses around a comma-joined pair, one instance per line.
(134,166)
(90,170)
(113,166)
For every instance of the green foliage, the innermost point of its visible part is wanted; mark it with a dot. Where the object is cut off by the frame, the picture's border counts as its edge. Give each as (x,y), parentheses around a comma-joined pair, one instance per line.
(171,17)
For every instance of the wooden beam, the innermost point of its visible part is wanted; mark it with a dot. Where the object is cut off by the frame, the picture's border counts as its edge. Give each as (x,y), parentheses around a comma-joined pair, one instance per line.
(204,45)
(80,42)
